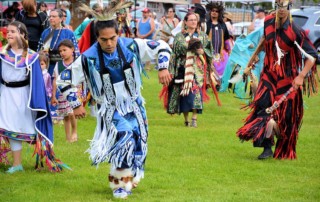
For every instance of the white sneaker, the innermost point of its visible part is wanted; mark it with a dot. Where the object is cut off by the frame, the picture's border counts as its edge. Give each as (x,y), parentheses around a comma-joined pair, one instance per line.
(120,193)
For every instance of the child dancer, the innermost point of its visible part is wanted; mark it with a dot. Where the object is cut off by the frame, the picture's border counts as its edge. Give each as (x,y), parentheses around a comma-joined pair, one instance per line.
(24,110)
(44,63)
(66,50)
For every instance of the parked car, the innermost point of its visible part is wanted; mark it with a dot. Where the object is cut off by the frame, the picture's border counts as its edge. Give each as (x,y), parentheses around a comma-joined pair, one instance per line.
(308,18)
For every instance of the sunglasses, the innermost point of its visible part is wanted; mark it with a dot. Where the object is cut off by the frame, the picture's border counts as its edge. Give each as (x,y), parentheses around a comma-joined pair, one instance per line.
(214,11)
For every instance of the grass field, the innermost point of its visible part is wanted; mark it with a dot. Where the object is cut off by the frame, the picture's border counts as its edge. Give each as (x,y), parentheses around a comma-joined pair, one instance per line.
(207,163)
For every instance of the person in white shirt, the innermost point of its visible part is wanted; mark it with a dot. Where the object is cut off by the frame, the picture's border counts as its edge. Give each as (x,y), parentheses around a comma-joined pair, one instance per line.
(227,18)
(258,20)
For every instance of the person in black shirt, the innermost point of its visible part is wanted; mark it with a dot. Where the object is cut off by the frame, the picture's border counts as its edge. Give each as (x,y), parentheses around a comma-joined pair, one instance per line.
(218,33)
(35,22)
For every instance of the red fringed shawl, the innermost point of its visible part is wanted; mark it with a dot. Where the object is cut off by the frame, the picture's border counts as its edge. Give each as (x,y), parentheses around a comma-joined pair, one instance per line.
(275,81)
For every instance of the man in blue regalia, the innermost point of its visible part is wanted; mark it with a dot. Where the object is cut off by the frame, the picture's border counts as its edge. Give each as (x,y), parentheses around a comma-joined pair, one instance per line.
(112,69)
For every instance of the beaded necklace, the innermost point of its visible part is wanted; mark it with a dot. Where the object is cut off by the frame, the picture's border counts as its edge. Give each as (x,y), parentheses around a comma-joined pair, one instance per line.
(216,41)
(216,38)
(57,38)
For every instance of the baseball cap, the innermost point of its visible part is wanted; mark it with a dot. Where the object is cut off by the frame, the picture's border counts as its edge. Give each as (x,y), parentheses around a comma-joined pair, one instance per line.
(146,10)
(260,10)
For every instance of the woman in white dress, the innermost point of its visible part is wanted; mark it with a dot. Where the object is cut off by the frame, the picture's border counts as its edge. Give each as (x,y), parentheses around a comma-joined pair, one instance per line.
(24,112)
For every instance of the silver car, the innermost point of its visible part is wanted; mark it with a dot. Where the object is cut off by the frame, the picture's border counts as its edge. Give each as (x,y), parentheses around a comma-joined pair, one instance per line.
(308,18)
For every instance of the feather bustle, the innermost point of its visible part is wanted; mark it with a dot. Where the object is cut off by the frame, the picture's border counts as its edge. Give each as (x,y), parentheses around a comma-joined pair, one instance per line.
(108,13)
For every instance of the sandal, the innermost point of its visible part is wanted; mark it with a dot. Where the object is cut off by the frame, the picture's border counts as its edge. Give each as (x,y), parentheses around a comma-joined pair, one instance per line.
(194,123)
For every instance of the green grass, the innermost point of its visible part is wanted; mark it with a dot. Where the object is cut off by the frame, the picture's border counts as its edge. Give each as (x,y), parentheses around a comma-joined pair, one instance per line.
(183,164)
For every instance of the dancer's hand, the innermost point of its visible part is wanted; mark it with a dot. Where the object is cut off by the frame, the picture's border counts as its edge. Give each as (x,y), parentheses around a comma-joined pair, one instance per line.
(298,81)
(54,101)
(79,112)
(164,77)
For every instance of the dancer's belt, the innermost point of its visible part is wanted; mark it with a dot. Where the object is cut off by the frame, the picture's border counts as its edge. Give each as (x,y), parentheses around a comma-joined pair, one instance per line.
(15,84)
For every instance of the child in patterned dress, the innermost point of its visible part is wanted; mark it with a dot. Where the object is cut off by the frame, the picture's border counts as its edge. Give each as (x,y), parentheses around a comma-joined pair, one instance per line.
(66,50)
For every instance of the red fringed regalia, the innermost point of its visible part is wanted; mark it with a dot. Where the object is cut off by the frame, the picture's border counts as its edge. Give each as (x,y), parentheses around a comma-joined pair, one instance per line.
(275,81)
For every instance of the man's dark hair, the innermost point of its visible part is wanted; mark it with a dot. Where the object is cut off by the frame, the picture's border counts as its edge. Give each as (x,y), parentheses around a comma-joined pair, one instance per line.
(100,25)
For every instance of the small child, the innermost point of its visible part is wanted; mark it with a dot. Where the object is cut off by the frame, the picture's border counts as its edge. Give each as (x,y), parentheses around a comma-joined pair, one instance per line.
(44,63)
(67,53)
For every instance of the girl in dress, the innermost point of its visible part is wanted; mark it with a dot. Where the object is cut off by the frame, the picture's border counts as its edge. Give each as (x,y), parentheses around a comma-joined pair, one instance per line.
(67,53)
(24,110)
(48,43)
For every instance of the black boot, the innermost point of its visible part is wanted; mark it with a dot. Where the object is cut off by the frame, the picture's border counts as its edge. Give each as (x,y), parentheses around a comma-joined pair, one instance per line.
(267,152)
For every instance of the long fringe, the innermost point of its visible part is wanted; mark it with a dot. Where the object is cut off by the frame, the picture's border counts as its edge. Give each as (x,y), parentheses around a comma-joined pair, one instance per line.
(310,86)
(304,52)
(124,105)
(43,151)
(286,144)
(286,148)
(254,127)
(189,73)
(95,81)
(4,149)
(101,144)
(164,96)
(201,61)
(254,130)
(122,151)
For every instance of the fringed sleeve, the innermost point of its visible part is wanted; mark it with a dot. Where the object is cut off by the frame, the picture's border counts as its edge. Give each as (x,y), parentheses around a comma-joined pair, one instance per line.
(310,86)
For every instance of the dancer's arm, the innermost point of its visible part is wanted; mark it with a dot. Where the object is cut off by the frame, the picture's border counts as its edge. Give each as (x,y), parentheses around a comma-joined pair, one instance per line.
(160,50)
